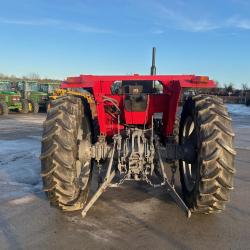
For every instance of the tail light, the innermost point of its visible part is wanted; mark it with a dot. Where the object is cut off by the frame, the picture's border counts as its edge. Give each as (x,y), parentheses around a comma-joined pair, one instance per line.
(15,98)
(201,79)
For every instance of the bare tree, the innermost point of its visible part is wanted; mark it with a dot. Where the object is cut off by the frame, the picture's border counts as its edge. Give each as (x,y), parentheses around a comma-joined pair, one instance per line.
(244,87)
(33,76)
(13,77)
(229,88)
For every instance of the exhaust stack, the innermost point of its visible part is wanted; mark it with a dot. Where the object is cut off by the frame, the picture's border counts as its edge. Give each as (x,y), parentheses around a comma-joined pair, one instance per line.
(153,67)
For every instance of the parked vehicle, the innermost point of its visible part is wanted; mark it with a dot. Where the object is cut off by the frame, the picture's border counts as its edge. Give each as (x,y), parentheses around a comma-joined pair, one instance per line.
(10,100)
(125,126)
(37,93)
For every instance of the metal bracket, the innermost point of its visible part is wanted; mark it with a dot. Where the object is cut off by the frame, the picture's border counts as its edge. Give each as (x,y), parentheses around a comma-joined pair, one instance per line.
(110,174)
(98,193)
(107,180)
(171,190)
(183,152)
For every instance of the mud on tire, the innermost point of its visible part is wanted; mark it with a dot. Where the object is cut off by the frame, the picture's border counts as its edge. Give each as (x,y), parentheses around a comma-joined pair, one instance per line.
(66,178)
(213,170)
(176,129)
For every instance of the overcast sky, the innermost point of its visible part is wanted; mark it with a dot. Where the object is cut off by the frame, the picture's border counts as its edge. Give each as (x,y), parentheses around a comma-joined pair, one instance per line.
(59,38)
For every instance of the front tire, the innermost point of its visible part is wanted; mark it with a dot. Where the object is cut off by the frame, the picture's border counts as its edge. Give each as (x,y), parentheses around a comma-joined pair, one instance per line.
(207,182)
(25,106)
(65,158)
(34,106)
(48,106)
(4,110)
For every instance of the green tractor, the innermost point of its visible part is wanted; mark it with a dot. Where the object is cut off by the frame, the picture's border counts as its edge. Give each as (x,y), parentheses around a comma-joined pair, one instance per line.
(37,93)
(49,88)
(10,100)
(30,91)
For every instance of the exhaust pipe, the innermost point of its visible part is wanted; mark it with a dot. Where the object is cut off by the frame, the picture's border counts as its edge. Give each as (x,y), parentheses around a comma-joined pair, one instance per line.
(153,67)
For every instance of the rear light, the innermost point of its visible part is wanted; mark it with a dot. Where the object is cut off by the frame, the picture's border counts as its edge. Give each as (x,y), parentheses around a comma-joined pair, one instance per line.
(201,79)
(15,98)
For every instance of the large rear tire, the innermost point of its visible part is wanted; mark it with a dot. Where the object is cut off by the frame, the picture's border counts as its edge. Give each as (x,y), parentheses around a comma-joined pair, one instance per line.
(206,182)
(4,110)
(66,161)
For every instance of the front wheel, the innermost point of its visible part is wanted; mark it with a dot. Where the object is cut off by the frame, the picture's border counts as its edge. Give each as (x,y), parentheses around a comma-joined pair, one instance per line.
(34,106)
(65,159)
(4,110)
(206,182)
(48,106)
(25,106)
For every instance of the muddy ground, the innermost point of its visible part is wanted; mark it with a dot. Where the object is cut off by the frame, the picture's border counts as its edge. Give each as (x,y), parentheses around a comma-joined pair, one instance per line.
(133,216)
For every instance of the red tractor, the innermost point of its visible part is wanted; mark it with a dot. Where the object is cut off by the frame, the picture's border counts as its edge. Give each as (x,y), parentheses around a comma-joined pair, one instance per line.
(127,128)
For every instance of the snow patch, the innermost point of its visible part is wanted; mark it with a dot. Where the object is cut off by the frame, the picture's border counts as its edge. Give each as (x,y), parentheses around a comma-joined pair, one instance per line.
(19,167)
(238,109)
(23,200)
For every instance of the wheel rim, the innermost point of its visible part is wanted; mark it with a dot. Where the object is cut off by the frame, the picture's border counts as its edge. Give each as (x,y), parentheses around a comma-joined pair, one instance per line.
(189,169)
(30,107)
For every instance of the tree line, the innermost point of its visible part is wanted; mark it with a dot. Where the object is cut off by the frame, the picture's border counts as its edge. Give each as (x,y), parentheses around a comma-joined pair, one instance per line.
(229,89)
(226,89)
(29,77)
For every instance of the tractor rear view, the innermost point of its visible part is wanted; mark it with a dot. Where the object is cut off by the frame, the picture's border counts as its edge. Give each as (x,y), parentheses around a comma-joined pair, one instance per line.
(126,127)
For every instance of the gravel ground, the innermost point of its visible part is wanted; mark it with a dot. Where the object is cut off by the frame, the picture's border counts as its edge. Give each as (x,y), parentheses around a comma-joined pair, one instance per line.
(133,216)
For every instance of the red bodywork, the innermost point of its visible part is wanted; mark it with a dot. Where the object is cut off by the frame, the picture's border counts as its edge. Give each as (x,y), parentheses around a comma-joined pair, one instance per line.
(165,102)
